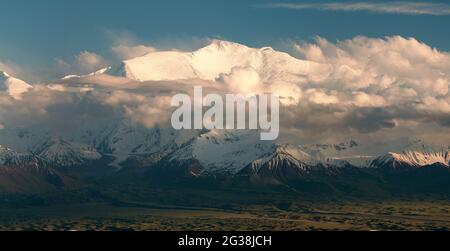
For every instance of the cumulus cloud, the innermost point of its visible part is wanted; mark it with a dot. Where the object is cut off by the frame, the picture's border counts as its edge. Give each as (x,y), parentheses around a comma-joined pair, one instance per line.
(83,63)
(390,7)
(374,84)
(16,70)
(10,68)
(124,52)
(127,46)
(319,96)
(32,108)
(63,111)
(244,80)
(145,108)
(89,61)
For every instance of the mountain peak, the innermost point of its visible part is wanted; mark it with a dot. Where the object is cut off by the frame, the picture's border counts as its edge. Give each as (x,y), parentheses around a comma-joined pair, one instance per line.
(4,74)
(13,86)
(223,44)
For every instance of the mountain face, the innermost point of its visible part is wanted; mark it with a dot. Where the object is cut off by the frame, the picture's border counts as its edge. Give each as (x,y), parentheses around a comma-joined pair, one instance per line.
(412,159)
(61,153)
(9,157)
(25,173)
(209,62)
(222,151)
(415,154)
(278,166)
(12,86)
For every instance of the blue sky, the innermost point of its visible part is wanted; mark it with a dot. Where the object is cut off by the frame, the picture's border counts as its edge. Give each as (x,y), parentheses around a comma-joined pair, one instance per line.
(36,32)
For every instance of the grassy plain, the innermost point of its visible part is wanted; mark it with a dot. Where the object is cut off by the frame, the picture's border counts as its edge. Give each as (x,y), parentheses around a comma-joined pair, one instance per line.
(322,216)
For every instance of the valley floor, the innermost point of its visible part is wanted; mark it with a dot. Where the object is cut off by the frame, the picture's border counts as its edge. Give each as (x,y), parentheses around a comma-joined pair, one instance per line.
(355,216)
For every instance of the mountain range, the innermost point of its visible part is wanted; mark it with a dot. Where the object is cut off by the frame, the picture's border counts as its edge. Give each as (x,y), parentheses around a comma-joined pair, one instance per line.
(36,159)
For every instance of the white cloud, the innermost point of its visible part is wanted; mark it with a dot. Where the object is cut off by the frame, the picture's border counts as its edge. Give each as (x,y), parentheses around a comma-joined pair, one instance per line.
(127,46)
(17,71)
(319,96)
(89,61)
(383,63)
(124,52)
(374,84)
(10,68)
(244,80)
(143,107)
(390,7)
(363,99)
(154,112)
(83,63)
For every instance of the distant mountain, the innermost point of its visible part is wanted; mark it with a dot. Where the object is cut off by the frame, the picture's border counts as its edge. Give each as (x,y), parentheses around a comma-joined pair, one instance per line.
(72,76)
(416,153)
(278,167)
(13,86)
(412,159)
(60,153)
(339,154)
(26,173)
(9,157)
(222,151)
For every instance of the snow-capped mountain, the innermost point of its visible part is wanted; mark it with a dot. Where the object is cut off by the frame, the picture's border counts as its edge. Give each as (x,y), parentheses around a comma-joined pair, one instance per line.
(416,153)
(73,76)
(412,159)
(26,173)
(9,157)
(215,151)
(283,163)
(339,154)
(220,151)
(241,152)
(217,58)
(119,139)
(13,86)
(61,153)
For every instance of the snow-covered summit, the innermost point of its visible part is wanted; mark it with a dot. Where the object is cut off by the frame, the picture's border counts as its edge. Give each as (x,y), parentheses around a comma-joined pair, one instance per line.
(13,86)
(209,62)
(415,153)
(9,156)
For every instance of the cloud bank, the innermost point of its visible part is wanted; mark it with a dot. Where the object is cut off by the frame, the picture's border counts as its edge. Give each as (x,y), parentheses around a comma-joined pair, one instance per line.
(374,85)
